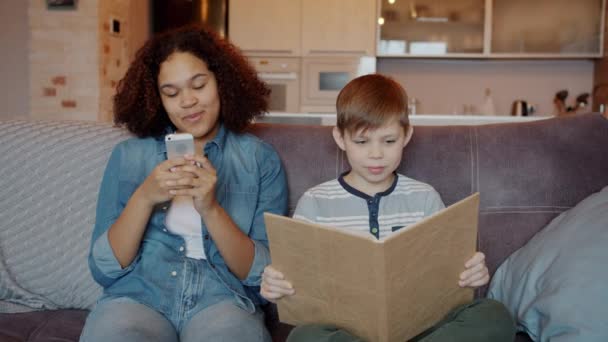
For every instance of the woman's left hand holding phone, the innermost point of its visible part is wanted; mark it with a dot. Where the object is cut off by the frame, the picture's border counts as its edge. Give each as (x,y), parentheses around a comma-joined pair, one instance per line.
(164,178)
(127,231)
(197,179)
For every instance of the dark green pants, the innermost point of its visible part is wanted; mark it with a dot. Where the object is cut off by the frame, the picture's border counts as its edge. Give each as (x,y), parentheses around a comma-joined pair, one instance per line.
(482,320)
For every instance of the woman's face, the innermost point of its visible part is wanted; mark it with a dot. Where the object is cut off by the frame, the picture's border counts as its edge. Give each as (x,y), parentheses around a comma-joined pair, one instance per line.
(189,93)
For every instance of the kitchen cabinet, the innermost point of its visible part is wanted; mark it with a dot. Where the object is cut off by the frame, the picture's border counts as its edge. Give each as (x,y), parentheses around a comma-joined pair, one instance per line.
(303,27)
(560,27)
(600,79)
(338,27)
(491,28)
(432,27)
(266,27)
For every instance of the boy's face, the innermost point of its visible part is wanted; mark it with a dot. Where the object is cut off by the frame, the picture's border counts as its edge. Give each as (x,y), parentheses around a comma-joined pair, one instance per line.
(373,154)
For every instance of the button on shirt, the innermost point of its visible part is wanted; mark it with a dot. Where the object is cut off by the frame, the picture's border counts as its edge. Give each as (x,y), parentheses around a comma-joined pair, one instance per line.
(250,181)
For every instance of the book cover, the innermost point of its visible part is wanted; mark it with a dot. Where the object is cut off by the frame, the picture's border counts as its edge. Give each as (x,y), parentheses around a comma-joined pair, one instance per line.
(381,290)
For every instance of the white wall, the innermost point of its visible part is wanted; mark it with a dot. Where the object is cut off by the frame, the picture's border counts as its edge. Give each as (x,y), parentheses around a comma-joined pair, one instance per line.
(14,64)
(445,86)
(64,61)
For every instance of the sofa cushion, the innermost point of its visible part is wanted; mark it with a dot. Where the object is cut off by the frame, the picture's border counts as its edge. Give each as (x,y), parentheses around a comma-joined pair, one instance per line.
(50,173)
(556,284)
(39,326)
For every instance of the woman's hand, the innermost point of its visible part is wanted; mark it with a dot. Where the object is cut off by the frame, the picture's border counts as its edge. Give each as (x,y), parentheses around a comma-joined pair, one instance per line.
(476,272)
(163,179)
(274,286)
(197,179)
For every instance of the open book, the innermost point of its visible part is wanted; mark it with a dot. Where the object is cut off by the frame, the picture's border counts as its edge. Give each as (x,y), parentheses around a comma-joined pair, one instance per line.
(381,290)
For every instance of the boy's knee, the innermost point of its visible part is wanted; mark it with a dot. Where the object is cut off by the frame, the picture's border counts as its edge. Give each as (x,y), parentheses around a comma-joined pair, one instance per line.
(491,309)
(321,333)
(498,323)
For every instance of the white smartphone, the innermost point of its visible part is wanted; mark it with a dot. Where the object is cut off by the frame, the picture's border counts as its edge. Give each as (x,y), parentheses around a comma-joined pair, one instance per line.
(179,144)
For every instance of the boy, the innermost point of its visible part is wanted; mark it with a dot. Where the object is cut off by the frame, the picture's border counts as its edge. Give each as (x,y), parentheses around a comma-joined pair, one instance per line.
(373,128)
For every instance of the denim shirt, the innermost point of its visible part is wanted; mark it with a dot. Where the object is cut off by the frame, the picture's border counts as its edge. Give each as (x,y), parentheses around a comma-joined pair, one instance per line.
(250,181)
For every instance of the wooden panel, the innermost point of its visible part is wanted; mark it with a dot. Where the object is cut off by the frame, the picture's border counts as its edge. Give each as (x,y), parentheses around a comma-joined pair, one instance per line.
(338,27)
(265,27)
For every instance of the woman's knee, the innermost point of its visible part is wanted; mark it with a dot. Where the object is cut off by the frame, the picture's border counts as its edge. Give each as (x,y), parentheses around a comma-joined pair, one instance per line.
(225,322)
(126,320)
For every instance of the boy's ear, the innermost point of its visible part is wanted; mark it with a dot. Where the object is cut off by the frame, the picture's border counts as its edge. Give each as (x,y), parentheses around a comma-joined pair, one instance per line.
(408,135)
(338,138)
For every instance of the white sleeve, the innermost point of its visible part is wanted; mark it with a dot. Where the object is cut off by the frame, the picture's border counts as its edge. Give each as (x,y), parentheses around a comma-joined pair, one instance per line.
(307,209)
(433,203)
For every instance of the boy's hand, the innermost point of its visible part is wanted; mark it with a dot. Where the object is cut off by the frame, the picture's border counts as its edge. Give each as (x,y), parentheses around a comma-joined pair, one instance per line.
(475,272)
(274,286)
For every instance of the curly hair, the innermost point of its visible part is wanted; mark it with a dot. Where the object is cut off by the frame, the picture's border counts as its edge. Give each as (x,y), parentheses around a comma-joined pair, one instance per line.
(137,103)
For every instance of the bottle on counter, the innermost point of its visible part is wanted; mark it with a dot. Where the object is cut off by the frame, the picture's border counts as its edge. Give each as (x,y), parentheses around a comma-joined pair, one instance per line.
(487,107)
(412,105)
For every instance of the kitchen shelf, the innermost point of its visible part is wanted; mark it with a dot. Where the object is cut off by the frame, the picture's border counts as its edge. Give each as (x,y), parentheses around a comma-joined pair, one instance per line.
(506,29)
(489,56)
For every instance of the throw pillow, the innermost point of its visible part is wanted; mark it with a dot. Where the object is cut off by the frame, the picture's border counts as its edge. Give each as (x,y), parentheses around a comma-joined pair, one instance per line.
(51,173)
(556,286)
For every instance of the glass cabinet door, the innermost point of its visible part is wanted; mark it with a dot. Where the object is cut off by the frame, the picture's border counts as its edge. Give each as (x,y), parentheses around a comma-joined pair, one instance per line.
(431,27)
(562,27)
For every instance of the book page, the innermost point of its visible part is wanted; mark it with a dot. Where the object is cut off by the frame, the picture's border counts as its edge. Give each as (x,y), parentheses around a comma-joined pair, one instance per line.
(388,290)
(423,267)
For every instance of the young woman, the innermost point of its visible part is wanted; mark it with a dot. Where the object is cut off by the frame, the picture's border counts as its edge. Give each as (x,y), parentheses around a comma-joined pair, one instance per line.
(179,245)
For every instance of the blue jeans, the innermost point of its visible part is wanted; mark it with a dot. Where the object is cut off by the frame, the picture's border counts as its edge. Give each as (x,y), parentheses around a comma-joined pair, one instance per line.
(124,319)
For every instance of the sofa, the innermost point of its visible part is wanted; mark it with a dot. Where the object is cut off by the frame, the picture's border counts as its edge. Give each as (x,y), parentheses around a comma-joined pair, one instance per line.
(527,173)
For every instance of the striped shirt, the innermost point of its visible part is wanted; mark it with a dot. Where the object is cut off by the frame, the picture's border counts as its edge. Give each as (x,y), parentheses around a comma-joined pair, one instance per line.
(337,204)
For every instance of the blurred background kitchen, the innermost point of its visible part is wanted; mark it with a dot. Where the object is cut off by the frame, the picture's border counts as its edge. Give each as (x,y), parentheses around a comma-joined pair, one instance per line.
(483,60)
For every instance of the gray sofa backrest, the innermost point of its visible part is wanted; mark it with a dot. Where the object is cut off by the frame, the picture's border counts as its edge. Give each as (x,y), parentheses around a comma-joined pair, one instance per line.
(527,173)
(49,178)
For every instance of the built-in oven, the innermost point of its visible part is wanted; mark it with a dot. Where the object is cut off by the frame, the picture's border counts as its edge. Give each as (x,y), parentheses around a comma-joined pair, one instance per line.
(282,76)
(324,77)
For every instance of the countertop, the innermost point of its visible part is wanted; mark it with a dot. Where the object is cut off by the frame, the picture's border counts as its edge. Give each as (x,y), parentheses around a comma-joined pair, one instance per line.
(417,120)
